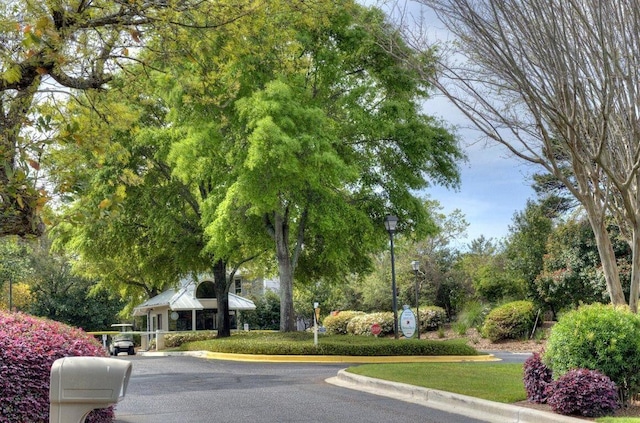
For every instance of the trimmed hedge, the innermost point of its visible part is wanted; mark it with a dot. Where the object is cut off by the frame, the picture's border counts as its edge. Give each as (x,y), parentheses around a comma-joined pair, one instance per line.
(512,320)
(28,348)
(301,343)
(172,340)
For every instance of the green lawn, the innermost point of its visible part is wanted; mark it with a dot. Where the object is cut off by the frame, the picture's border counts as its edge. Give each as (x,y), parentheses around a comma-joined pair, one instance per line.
(498,382)
(492,381)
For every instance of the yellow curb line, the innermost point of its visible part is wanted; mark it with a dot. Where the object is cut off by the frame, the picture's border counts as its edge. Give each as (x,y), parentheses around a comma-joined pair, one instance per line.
(348,359)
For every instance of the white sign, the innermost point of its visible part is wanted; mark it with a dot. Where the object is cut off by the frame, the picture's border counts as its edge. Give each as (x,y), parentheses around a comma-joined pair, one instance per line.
(408,323)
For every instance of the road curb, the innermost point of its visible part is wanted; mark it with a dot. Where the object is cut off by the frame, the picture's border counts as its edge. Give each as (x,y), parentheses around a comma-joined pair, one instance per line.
(446,401)
(323,358)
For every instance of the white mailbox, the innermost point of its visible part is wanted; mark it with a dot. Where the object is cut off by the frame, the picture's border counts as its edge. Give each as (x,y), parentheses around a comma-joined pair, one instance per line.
(81,384)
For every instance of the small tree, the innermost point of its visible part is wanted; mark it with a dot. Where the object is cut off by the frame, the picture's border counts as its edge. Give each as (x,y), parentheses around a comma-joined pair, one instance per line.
(267,313)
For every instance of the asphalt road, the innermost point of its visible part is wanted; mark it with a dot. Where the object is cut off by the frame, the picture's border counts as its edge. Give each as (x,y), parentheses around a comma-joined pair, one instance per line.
(194,390)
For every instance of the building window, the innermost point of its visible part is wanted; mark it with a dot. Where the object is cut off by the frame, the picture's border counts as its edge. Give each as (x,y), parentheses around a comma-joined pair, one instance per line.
(238,286)
(206,319)
(206,289)
(182,321)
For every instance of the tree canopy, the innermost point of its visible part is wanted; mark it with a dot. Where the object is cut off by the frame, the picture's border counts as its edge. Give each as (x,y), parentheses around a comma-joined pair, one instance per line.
(290,130)
(51,48)
(324,138)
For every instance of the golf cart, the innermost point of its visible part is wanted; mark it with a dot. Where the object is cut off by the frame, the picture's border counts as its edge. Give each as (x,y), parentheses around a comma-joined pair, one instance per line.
(123,341)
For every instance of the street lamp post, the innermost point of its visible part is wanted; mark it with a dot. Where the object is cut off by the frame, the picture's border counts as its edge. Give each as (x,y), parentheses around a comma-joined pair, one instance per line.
(416,267)
(390,222)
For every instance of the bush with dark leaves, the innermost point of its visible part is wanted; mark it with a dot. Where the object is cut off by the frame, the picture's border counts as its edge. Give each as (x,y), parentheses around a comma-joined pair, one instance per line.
(537,377)
(583,392)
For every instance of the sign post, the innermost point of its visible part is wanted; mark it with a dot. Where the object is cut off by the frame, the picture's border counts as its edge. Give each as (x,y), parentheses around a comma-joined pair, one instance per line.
(316,312)
(407,322)
(376,329)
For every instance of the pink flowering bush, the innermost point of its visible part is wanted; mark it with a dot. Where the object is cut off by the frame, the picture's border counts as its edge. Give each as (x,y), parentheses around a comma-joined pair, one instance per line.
(584,392)
(28,348)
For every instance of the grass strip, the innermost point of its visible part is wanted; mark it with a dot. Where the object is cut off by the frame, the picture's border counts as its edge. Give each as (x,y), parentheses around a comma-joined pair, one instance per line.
(492,381)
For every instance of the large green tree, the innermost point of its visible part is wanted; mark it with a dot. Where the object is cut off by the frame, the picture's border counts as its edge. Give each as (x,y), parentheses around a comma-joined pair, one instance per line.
(526,244)
(318,136)
(52,47)
(134,226)
(289,130)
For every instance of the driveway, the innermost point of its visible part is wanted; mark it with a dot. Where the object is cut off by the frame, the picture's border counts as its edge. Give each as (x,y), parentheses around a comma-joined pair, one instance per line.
(194,390)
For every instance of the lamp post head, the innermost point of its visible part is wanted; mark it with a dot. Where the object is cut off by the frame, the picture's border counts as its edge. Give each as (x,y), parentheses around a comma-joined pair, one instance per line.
(415,265)
(390,222)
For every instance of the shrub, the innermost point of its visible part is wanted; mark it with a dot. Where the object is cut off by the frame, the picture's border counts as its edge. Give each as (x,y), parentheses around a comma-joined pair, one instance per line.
(172,340)
(473,314)
(512,320)
(584,392)
(431,318)
(361,323)
(598,337)
(336,324)
(537,377)
(301,343)
(28,348)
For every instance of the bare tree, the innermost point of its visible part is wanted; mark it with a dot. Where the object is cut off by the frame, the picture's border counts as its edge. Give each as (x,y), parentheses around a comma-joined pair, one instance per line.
(557,82)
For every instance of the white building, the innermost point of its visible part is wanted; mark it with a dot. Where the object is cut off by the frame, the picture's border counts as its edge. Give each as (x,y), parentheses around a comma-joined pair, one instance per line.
(192,306)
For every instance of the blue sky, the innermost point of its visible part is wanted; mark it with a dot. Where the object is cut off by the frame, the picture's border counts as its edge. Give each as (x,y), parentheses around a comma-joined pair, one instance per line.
(494,185)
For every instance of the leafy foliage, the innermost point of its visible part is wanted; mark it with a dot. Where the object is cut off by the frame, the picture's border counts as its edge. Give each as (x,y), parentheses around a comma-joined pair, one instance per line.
(473,314)
(512,320)
(584,392)
(537,378)
(14,268)
(28,348)
(486,265)
(336,323)
(267,313)
(598,337)
(75,45)
(294,343)
(361,323)
(571,273)
(526,245)
(172,340)
(432,317)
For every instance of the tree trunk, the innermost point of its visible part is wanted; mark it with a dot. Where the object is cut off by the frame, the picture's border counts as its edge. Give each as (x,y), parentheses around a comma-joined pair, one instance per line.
(608,258)
(222,295)
(634,290)
(285,268)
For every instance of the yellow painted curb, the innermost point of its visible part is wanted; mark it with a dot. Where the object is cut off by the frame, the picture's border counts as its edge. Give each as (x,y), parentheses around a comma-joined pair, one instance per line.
(348,359)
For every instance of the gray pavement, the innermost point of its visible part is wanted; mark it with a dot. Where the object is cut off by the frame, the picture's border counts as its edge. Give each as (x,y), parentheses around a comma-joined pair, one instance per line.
(185,389)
